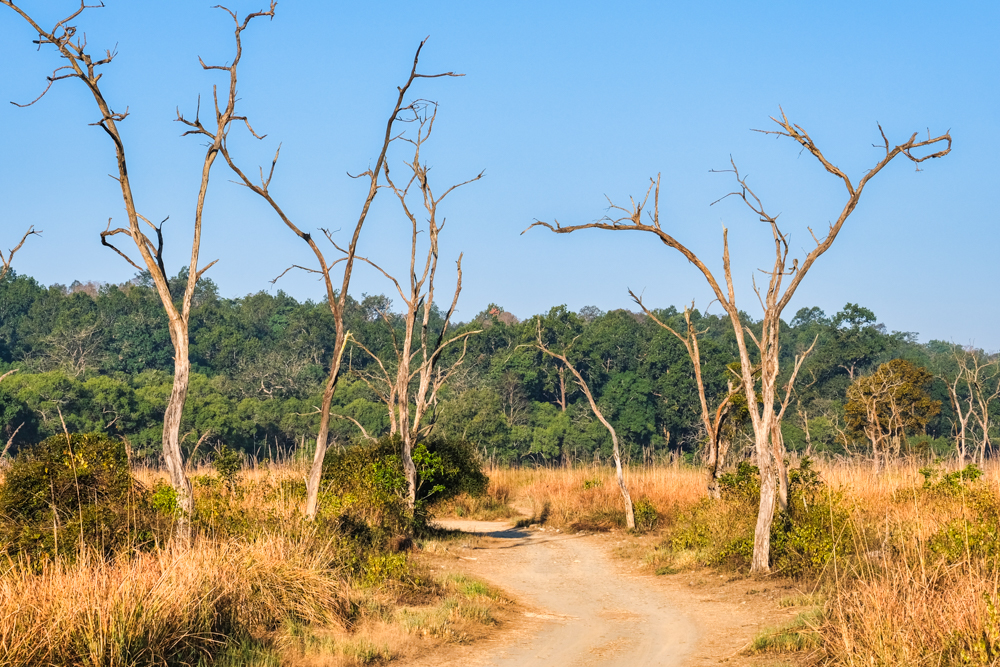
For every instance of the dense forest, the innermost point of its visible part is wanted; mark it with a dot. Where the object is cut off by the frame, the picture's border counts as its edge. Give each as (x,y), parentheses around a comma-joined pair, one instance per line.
(97,358)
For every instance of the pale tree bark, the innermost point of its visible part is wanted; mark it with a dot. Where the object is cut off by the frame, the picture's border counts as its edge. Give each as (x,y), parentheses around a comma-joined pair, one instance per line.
(81,65)
(412,389)
(776,294)
(615,450)
(980,376)
(336,285)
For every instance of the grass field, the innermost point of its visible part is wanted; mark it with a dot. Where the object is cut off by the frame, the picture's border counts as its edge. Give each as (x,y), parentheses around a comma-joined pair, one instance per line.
(901,568)
(905,570)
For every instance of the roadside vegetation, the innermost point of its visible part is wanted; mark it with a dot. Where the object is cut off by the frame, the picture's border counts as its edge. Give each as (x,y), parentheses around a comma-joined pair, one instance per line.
(91,576)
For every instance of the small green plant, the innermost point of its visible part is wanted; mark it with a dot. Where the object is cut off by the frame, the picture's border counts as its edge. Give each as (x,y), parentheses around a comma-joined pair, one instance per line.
(936,479)
(163,499)
(227,463)
(741,485)
(801,634)
(592,483)
(646,516)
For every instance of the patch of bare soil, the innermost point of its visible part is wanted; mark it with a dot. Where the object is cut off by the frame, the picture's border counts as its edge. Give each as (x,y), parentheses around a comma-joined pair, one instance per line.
(586,602)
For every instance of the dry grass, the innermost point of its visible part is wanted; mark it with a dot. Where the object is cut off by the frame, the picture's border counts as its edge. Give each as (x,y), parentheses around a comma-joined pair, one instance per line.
(260,586)
(587,498)
(166,606)
(908,586)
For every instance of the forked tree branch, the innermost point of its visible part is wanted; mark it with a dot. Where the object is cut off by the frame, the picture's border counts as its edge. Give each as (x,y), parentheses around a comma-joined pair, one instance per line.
(6,260)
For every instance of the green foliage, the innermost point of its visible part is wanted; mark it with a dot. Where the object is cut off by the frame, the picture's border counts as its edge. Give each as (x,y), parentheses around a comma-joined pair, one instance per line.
(592,483)
(227,463)
(163,499)
(952,482)
(741,485)
(367,486)
(646,515)
(803,539)
(64,492)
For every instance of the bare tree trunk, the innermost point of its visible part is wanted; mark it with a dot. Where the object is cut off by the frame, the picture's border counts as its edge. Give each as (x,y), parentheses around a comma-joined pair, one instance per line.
(336,298)
(765,515)
(615,451)
(81,65)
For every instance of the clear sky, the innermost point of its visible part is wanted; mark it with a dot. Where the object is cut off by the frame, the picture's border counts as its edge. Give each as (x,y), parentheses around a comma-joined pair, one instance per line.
(562,104)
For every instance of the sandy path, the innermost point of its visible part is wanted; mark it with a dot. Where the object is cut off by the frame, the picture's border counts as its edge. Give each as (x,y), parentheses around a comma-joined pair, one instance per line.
(589,610)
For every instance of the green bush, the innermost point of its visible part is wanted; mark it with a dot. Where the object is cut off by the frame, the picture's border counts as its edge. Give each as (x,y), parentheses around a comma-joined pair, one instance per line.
(646,515)
(366,482)
(228,462)
(64,492)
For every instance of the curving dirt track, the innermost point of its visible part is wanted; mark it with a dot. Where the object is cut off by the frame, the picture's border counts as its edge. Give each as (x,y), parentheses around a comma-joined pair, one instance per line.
(587,609)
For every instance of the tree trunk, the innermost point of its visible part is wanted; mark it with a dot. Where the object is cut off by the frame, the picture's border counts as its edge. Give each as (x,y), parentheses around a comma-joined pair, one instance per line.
(781,468)
(316,471)
(172,457)
(765,515)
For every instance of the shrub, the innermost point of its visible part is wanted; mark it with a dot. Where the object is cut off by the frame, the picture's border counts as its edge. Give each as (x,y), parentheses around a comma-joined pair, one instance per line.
(367,483)
(65,492)
(227,463)
(645,513)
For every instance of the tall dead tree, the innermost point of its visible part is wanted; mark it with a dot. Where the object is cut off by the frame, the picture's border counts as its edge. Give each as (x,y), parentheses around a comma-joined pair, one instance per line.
(615,449)
(81,65)
(336,286)
(764,414)
(411,386)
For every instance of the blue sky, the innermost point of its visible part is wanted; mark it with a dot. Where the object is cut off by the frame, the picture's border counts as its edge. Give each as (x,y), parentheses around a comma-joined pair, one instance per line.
(562,104)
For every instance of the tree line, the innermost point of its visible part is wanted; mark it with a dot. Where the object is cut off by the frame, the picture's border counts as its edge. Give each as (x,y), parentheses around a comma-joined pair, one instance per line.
(97,358)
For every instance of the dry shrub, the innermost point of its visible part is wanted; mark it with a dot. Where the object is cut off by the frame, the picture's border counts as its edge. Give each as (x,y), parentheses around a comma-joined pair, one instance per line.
(170,606)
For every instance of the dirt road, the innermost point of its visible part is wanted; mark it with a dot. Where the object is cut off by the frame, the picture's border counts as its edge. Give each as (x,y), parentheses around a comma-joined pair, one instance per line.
(587,609)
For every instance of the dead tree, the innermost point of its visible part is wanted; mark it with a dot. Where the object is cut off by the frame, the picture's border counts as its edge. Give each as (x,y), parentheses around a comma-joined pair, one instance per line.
(615,450)
(980,376)
(336,286)
(776,295)
(712,420)
(6,260)
(81,65)
(411,386)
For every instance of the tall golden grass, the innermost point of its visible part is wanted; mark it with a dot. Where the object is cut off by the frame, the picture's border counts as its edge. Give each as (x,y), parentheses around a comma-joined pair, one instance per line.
(166,606)
(896,600)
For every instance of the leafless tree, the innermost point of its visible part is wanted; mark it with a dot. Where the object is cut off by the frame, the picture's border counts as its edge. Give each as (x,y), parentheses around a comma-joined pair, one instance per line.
(7,259)
(776,295)
(615,450)
(975,386)
(411,384)
(336,285)
(79,64)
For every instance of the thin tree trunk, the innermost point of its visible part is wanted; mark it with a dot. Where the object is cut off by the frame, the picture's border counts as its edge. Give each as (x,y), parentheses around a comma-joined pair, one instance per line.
(323,434)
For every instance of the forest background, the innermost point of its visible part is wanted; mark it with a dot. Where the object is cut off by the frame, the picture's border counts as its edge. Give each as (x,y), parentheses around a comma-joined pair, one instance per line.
(98,357)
